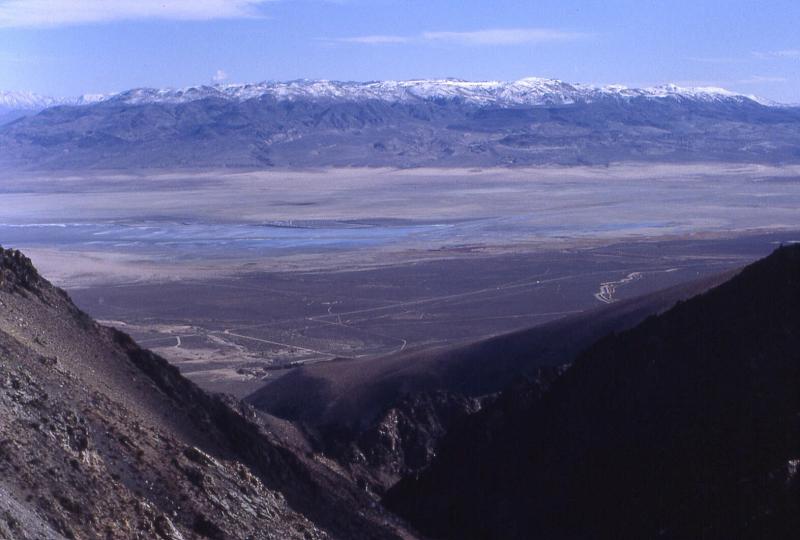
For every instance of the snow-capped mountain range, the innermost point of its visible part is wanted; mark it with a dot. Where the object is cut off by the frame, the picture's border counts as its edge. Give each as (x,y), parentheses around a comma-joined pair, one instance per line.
(29,101)
(440,123)
(25,101)
(524,92)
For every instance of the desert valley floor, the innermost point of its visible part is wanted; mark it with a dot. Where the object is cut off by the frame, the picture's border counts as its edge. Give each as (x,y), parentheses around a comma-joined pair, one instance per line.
(237,277)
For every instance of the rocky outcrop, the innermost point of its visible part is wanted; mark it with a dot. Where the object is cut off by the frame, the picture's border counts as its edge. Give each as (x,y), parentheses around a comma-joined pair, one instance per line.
(17,273)
(403,441)
(102,439)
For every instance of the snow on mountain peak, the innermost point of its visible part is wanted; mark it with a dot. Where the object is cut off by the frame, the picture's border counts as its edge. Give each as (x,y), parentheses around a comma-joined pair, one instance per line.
(29,101)
(529,91)
(25,100)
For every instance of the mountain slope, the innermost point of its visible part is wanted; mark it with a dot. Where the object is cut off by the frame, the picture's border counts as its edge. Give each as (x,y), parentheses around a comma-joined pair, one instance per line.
(385,416)
(402,123)
(682,427)
(100,438)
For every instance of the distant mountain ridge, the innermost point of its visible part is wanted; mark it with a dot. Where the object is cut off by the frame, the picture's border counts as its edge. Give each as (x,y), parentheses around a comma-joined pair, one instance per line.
(445,123)
(529,91)
(28,101)
(16,104)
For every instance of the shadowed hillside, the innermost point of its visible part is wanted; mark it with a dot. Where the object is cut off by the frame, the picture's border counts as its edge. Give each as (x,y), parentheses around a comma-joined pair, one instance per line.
(385,416)
(682,427)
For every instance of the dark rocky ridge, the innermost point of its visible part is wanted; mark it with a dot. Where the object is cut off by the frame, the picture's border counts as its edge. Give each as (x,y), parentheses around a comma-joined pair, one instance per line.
(102,439)
(264,132)
(685,426)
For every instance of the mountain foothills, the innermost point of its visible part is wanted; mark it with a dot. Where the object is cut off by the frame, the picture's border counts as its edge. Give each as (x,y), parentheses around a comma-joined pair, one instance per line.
(395,123)
(685,426)
(102,439)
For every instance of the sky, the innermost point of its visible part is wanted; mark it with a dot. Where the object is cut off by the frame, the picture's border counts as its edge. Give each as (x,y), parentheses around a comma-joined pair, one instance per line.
(72,47)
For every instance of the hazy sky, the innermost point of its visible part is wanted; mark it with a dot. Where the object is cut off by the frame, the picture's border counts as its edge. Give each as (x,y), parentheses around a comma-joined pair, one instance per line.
(69,47)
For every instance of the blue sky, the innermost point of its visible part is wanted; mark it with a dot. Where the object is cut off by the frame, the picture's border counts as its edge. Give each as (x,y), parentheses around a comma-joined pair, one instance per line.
(69,47)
